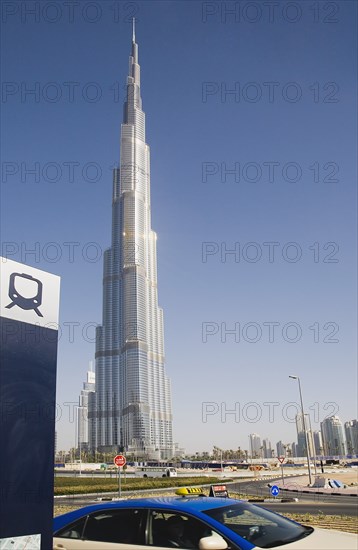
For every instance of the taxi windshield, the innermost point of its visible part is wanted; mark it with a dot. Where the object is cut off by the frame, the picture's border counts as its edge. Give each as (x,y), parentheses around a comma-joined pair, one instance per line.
(257,525)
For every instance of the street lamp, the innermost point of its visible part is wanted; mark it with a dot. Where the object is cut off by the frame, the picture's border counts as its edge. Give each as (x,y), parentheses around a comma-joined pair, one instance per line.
(304,427)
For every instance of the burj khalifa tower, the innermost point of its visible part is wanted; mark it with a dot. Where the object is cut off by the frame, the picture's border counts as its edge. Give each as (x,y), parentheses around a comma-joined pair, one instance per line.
(131,408)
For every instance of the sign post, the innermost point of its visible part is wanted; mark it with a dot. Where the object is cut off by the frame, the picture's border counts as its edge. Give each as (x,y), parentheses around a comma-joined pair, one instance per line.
(29,304)
(119,461)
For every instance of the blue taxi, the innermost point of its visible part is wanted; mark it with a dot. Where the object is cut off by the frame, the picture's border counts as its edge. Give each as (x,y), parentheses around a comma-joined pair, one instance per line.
(204,523)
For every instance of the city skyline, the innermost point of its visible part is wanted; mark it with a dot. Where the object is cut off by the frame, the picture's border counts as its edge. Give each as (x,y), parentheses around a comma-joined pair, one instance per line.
(262,447)
(253,140)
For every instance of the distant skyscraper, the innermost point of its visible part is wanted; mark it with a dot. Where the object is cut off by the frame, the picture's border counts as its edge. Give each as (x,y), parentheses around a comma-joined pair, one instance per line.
(267,450)
(351,432)
(83,437)
(294,449)
(255,444)
(318,443)
(333,438)
(280,449)
(132,408)
(301,436)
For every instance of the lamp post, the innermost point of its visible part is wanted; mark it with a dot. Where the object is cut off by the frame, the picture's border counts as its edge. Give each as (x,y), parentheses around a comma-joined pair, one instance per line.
(304,427)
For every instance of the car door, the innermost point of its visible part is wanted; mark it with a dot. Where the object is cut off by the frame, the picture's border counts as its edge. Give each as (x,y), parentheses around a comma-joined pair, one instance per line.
(161,535)
(108,529)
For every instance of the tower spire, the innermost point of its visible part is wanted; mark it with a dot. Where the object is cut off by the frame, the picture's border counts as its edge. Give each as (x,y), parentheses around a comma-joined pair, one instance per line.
(134,69)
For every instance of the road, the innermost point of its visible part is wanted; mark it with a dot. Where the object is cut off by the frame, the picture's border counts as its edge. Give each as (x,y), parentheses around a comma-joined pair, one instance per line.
(313,504)
(308,503)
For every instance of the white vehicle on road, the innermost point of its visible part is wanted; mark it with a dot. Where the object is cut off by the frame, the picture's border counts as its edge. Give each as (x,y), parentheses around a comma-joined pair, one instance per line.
(155,471)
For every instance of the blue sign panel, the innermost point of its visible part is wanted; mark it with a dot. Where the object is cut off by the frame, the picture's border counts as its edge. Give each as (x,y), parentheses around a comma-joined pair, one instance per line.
(274,490)
(29,301)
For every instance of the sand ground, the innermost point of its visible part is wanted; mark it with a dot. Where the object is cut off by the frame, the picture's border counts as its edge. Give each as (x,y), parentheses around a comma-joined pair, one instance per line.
(301,483)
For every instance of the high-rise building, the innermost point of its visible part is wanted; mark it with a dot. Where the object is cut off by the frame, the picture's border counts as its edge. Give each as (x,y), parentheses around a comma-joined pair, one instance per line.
(132,407)
(351,432)
(301,436)
(333,438)
(255,445)
(318,443)
(280,449)
(83,436)
(267,450)
(294,449)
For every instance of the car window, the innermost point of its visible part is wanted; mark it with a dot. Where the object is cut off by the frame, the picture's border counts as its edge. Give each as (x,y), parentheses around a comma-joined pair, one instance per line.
(72,531)
(121,526)
(173,530)
(263,528)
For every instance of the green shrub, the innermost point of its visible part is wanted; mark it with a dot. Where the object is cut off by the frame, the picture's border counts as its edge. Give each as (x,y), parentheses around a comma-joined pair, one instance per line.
(81,485)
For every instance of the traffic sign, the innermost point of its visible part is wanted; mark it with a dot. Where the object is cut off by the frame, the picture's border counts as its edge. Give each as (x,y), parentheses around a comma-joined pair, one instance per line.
(281,459)
(218,491)
(274,490)
(119,460)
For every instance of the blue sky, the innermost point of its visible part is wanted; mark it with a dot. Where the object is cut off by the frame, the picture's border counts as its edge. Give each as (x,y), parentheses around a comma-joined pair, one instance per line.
(290,134)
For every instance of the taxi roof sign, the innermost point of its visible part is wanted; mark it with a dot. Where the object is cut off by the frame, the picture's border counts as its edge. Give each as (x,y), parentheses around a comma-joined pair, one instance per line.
(185,491)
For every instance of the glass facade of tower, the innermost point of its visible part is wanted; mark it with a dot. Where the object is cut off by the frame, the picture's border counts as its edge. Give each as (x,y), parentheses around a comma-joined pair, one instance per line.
(132,405)
(333,438)
(351,432)
(301,436)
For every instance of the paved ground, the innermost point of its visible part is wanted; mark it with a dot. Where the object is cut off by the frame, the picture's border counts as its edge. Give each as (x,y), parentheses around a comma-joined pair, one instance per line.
(301,483)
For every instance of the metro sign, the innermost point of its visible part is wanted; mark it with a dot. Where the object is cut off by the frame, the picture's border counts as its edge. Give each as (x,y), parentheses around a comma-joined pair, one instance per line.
(29,311)
(119,460)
